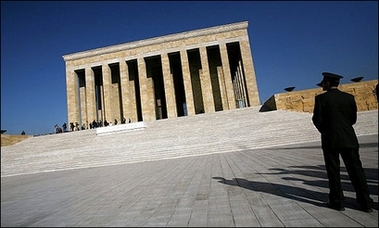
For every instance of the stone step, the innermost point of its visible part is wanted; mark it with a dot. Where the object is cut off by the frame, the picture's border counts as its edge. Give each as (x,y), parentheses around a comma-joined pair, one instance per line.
(219,132)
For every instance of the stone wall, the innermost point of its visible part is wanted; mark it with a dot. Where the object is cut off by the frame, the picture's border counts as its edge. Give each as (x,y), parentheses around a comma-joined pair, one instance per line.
(303,100)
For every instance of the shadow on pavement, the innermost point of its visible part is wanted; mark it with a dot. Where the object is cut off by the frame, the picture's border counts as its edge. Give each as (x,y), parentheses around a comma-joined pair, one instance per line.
(316,198)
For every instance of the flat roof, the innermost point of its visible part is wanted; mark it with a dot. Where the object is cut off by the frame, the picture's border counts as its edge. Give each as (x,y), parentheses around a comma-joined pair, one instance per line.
(157,40)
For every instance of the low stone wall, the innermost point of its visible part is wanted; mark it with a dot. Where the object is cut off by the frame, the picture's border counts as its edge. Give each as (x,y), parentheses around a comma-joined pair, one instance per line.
(303,100)
(120,128)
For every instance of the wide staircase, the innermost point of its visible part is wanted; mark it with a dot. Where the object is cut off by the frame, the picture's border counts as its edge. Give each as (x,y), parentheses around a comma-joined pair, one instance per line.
(219,132)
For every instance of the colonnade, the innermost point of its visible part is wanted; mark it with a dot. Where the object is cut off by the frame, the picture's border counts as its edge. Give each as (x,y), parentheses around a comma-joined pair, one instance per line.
(163,78)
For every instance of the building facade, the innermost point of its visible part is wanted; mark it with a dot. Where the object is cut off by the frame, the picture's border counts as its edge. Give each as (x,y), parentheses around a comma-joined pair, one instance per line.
(199,71)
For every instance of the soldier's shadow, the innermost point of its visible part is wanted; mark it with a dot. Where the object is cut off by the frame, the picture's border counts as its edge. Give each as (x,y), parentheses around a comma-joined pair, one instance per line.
(290,192)
(294,192)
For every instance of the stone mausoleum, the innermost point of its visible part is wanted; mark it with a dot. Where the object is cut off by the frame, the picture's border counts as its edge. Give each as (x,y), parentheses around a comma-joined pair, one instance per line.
(188,73)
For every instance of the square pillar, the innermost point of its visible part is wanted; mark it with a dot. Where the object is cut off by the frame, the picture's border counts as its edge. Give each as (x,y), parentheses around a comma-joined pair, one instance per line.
(83,106)
(147,92)
(226,82)
(249,72)
(205,79)
(107,93)
(115,97)
(90,95)
(242,83)
(187,83)
(224,99)
(72,86)
(128,93)
(169,87)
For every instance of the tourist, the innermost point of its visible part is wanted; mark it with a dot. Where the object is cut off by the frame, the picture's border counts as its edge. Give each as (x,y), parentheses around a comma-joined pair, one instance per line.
(334,114)
(77,127)
(58,129)
(64,127)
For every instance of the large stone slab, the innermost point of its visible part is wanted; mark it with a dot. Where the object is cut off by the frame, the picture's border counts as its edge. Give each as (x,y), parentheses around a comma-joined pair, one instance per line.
(120,128)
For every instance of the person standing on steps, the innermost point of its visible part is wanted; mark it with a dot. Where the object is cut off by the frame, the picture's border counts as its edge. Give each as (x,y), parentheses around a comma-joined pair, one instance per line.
(64,127)
(334,114)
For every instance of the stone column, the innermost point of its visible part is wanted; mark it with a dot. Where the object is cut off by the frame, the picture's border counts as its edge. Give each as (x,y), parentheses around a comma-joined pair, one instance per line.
(205,79)
(227,80)
(236,90)
(115,97)
(128,93)
(90,95)
(249,72)
(72,86)
(83,106)
(169,87)
(147,92)
(242,82)
(101,112)
(107,92)
(221,79)
(187,83)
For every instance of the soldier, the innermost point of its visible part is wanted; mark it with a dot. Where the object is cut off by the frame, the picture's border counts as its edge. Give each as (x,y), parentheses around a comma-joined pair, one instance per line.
(334,114)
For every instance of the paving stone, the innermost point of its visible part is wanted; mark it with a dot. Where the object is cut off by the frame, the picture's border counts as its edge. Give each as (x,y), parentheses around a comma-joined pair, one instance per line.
(247,184)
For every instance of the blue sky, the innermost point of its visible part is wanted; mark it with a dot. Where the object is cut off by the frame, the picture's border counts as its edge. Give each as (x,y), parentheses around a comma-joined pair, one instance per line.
(291,44)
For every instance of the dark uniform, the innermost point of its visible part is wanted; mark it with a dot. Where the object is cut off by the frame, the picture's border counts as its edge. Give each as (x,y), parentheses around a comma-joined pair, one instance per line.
(334,114)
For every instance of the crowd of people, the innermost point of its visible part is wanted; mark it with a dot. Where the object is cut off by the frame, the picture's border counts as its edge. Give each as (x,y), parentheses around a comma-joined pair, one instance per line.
(94,124)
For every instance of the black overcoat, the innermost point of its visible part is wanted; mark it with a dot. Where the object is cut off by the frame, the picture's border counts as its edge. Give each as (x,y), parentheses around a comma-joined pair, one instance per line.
(334,114)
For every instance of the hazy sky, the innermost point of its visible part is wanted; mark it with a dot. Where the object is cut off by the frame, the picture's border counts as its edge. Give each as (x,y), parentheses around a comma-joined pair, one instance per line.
(291,44)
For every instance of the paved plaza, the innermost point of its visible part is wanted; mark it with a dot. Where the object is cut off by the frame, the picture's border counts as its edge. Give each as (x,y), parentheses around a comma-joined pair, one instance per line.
(284,186)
